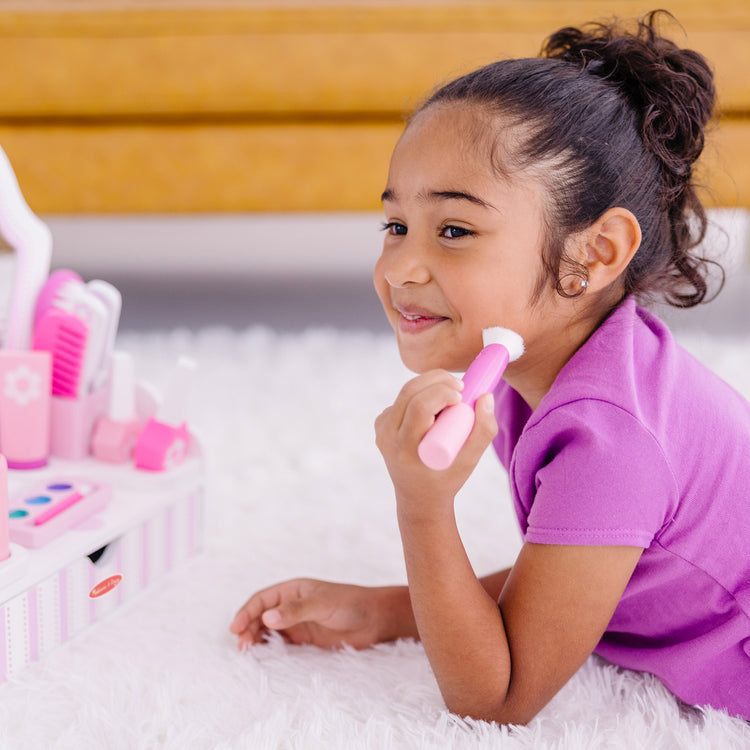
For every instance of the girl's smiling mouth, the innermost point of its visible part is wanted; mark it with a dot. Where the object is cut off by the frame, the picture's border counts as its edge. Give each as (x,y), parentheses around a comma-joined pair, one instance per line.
(415,319)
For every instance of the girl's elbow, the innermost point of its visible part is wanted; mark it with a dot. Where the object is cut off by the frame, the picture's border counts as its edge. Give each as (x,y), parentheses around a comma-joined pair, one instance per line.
(503,712)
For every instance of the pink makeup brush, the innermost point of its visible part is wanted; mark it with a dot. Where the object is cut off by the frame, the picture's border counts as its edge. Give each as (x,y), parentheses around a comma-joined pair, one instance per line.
(442,442)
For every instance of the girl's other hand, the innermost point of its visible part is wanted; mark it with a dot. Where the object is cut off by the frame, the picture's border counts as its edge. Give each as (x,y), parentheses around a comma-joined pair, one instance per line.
(420,491)
(324,614)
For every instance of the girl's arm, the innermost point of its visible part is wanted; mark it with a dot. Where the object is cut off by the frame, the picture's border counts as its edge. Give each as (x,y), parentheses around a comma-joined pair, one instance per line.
(505,662)
(333,614)
(326,614)
(499,662)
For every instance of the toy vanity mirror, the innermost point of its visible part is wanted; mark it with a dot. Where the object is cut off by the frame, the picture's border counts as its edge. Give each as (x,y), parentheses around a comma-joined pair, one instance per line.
(25,252)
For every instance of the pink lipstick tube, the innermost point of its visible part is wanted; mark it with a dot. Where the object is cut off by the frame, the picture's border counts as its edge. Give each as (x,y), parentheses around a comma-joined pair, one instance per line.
(453,425)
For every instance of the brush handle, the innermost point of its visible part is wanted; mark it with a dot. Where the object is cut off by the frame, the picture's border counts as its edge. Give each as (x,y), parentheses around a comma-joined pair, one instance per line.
(442,442)
(59,507)
(484,372)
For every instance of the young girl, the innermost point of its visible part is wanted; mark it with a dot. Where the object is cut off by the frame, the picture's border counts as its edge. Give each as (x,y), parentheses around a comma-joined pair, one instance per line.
(550,196)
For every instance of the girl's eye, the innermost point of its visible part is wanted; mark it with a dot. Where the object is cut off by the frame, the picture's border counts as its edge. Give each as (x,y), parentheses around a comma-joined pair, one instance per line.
(393,227)
(453,233)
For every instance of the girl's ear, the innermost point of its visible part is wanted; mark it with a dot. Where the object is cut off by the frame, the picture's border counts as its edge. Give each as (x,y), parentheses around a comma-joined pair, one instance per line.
(611,243)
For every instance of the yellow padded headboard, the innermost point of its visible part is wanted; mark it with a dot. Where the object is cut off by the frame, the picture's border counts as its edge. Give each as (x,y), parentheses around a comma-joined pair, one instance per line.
(288,105)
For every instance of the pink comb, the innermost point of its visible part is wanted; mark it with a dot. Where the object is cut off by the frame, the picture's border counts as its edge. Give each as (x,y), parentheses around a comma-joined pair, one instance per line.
(65,336)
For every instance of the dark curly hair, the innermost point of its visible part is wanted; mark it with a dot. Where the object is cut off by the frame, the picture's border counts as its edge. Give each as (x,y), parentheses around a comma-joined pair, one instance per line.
(617,117)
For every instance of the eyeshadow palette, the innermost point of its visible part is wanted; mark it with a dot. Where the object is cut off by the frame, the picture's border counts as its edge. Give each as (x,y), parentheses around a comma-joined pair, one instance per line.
(42,512)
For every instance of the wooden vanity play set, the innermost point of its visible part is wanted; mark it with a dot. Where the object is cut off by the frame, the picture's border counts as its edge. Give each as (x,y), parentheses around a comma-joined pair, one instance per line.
(101,482)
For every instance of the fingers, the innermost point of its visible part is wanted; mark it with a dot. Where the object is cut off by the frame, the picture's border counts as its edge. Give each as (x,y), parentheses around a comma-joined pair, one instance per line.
(304,602)
(248,623)
(483,432)
(421,410)
(400,427)
(291,613)
(416,406)
(420,383)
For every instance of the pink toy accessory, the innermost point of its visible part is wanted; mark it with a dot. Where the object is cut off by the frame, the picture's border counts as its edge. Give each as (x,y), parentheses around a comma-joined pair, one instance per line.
(161,446)
(96,305)
(48,295)
(42,512)
(25,408)
(442,442)
(116,431)
(78,301)
(73,421)
(164,441)
(111,298)
(65,337)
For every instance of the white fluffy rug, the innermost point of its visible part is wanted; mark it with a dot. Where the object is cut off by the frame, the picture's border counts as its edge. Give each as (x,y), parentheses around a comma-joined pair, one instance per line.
(297,487)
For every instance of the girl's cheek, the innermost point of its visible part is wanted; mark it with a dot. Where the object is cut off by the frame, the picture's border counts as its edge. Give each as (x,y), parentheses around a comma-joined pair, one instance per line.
(381,286)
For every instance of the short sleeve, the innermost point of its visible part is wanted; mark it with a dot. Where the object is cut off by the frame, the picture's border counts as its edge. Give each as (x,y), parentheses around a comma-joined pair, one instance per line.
(590,473)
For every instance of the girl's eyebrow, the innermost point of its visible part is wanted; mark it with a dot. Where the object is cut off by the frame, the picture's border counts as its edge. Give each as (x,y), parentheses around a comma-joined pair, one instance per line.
(450,195)
(437,195)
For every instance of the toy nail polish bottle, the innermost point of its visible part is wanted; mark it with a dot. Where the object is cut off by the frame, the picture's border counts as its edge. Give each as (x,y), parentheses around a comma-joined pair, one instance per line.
(163,443)
(116,432)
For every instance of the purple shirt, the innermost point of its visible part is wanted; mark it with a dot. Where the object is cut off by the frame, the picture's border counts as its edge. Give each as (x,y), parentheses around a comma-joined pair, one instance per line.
(637,443)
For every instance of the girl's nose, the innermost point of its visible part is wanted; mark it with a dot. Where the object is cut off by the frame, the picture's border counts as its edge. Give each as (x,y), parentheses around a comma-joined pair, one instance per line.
(406,267)
(392,282)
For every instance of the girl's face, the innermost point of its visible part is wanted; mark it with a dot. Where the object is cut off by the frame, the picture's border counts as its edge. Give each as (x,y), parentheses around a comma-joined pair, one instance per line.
(463,248)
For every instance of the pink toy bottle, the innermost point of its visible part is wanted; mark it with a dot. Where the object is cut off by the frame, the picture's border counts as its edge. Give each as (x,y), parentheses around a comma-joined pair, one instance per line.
(25,384)
(164,441)
(116,432)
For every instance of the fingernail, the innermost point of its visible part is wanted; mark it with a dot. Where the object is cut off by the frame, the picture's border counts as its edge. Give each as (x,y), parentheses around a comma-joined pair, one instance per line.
(488,404)
(272,618)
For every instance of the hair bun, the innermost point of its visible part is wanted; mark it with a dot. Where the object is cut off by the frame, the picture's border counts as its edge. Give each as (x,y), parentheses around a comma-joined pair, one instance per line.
(672,89)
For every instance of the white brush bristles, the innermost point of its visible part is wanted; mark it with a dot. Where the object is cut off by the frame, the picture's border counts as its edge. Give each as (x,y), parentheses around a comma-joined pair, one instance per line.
(511,340)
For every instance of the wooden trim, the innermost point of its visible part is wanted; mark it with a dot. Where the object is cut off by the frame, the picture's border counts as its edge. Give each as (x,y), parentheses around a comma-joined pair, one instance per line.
(128,17)
(280,73)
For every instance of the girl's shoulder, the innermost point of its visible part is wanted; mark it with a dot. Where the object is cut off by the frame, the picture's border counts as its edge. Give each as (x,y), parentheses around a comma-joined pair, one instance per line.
(632,361)
(635,425)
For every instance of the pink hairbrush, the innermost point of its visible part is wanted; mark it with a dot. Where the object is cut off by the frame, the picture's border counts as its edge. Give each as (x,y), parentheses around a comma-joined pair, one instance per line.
(65,336)
(50,292)
(442,442)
